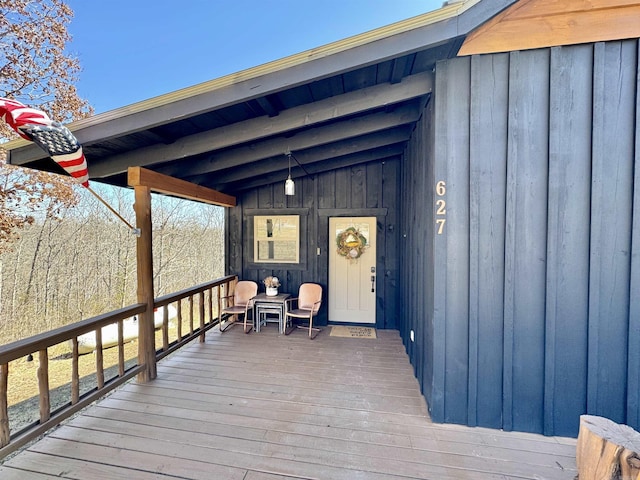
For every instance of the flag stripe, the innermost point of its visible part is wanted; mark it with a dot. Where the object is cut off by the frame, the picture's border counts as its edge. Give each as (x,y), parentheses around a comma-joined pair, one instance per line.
(52,137)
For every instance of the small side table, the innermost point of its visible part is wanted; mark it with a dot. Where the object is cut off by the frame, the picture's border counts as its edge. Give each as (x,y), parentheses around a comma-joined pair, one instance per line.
(265,305)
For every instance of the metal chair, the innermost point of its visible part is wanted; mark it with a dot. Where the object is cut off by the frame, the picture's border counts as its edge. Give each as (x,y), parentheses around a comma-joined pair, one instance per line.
(238,304)
(307,304)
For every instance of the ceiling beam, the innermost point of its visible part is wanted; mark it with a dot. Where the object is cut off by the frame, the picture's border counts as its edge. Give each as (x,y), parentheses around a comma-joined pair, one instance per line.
(364,143)
(159,183)
(320,167)
(309,138)
(250,130)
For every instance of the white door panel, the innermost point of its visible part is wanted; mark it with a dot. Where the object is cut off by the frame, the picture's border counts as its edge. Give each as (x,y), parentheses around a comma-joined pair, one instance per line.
(351,299)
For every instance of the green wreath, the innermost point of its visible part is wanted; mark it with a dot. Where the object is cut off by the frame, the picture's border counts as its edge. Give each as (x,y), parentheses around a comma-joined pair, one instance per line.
(351,243)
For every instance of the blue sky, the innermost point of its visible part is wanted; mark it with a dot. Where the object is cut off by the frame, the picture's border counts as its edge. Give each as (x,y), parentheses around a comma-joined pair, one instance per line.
(132,50)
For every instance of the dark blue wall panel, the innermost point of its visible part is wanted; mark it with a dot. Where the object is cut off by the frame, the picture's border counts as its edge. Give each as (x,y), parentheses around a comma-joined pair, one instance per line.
(452,271)
(567,298)
(525,240)
(615,80)
(487,203)
(633,383)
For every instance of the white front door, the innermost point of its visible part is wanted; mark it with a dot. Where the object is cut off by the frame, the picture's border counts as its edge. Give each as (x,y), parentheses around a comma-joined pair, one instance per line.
(352,269)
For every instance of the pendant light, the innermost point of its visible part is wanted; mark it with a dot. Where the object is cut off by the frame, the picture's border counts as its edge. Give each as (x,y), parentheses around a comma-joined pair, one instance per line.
(289,186)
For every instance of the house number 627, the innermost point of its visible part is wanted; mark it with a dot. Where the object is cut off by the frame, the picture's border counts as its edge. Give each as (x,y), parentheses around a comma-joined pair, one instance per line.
(441,206)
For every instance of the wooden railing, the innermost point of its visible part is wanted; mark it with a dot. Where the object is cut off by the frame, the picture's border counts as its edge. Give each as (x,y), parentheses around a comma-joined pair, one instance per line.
(200,295)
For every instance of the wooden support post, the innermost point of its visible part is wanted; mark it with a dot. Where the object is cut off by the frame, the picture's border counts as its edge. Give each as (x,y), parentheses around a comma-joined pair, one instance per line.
(43,385)
(607,450)
(146,336)
(5,433)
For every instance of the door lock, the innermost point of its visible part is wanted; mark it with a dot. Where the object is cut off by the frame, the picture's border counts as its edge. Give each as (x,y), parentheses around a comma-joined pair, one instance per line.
(373,280)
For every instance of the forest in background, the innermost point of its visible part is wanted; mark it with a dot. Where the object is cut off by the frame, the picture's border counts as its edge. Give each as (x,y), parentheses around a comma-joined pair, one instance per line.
(83,263)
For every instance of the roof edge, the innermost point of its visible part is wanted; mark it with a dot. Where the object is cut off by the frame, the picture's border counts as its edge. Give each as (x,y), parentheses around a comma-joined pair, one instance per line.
(446,12)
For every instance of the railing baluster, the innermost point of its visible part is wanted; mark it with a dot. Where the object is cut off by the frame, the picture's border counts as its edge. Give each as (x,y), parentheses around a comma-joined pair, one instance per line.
(210,305)
(201,311)
(179,320)
(220,291)
(191,314)
(99,359)
(121,348)
(43,385)
(5,433)
(75,372)
(165,328)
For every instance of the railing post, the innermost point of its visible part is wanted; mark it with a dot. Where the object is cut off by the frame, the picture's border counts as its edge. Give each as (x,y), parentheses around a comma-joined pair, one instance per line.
(43,385)
(202,319)
(144,250)
(5,434)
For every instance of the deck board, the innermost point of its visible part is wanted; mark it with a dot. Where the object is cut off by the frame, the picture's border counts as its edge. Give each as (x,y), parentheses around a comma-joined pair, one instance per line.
(268,407)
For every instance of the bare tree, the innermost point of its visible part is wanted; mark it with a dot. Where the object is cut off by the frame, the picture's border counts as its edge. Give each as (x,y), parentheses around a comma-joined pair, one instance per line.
(35,70)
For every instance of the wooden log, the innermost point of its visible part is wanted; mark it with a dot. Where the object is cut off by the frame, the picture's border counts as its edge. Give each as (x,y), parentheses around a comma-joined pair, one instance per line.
(99,359)
(179,332)
(5,433)
(121,348)
(165,328)
(210,298)
(75,372)
(201,313)
(607,450)
(43,386)
(190,314)
(144,256)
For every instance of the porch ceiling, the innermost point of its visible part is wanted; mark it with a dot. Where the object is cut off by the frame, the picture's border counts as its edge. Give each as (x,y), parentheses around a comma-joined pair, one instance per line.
(347,103)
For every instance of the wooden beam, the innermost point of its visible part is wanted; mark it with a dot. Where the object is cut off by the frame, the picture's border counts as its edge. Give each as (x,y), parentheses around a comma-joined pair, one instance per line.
(157,182)
(530,24)
(272,147)
(254,129)
(366,144)
(144,255)
(320,167)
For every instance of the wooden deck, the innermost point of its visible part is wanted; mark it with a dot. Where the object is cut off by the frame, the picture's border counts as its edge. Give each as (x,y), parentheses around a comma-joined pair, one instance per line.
(267,407)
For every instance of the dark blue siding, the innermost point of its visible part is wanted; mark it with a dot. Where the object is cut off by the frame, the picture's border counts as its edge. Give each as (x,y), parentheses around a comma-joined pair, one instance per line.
(526,242)
(567,297)
(613,159)
(535,313)
(452,271)
(488,177)
(633,382)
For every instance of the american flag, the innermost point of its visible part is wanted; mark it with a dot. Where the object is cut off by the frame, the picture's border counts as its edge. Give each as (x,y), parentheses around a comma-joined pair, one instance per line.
(53,137)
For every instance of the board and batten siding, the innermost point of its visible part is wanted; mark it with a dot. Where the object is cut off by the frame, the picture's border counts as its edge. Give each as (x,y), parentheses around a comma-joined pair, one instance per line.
(368,189)
(533,313)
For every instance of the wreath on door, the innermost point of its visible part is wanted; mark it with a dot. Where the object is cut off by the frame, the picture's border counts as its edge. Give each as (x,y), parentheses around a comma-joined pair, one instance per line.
(351,243)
